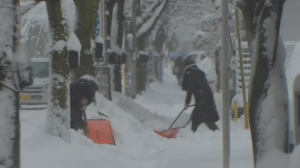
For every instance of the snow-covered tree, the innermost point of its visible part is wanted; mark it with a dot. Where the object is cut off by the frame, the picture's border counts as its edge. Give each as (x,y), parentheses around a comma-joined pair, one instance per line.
(197,23)
(85,29)
(208,40)
(268,92)
(15,74)
(146,21)
(58,119)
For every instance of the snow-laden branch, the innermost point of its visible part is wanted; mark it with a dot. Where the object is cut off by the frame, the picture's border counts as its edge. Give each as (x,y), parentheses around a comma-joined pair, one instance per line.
(150,23)
(152,7)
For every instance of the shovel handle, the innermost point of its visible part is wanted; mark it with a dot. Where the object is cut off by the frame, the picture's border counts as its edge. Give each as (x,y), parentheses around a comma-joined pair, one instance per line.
(102,114)
(178,117)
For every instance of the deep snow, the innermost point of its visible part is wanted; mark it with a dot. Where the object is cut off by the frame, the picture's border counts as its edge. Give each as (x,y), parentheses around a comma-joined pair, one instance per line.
(137,144)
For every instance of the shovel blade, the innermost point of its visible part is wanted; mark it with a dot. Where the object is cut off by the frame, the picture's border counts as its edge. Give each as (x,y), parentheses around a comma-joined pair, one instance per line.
(169,133)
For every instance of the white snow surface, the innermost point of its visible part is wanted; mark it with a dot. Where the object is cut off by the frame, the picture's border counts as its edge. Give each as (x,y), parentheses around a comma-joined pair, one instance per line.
(89,77)
(59,45)
(294,161)
(73,43)
(239,99)
(99,39)
(274,159)
(137,144)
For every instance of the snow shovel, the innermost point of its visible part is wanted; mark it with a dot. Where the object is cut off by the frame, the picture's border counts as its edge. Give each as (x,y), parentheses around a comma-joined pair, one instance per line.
(102,114)
(172,132)
(86,130)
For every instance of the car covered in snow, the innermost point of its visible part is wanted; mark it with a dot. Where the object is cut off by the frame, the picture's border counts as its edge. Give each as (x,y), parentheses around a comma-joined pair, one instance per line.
(35,96)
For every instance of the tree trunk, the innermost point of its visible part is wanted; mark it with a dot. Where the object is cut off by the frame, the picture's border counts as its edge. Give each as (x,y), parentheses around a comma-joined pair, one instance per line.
(267,92)
(87,12)
(248,9)
(140,68)
(9,98)
(110,8)
(141,73)
(14,76)
(160,39)
(119,41)
(58,119)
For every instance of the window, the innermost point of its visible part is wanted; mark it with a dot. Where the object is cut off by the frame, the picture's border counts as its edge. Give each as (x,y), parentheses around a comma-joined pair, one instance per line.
(40,69)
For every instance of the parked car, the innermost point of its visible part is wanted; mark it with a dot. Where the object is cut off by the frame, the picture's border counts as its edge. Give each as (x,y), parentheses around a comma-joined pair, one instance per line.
(35,96)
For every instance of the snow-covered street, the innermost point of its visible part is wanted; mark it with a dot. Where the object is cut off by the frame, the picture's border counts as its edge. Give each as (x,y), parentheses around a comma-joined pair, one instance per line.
(119,65)
(137,145)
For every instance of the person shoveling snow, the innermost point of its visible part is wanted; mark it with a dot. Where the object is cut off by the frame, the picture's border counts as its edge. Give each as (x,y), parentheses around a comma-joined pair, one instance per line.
(195,83)
(82,93)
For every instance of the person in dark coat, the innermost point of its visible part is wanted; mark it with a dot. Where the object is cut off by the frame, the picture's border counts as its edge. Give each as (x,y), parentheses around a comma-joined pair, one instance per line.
(82,93)
(195,84)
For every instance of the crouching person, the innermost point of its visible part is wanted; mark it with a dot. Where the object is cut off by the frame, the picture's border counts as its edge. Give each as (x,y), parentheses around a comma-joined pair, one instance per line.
(195,84)
(82,93)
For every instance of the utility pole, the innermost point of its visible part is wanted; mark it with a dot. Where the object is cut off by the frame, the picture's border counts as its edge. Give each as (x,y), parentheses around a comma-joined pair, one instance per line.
(241,67)
(225,89)
(103,70)
(130,47)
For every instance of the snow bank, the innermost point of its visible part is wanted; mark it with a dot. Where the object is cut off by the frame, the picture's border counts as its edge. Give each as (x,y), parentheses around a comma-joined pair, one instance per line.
(239,99)
(294,158)
(137,146)
(148,118)
(274,158)
(131,137)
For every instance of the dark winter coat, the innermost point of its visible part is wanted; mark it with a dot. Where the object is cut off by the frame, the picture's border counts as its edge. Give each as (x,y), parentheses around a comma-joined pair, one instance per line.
(78,90)
(195,83)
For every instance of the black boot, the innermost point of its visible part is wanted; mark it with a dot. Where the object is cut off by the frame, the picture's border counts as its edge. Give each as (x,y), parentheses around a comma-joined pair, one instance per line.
(212,126)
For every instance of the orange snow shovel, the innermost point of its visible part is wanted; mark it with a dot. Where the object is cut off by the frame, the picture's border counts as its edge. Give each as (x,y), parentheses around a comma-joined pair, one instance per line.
(101,132)
(172,132)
